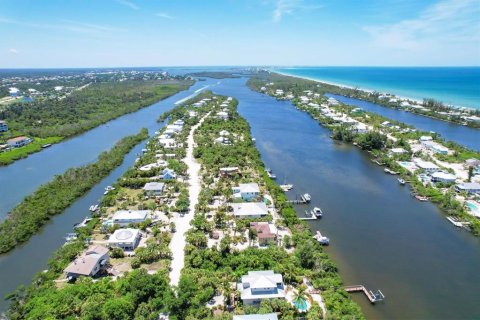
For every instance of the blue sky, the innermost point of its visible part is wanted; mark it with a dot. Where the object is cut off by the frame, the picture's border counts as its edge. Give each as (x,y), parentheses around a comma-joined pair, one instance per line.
(96,33)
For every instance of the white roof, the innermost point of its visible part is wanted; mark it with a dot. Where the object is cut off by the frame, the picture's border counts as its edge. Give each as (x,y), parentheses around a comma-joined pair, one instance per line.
(425,164)
(444,175)
(249,187)
(124,236)
(250,209)
(131,215)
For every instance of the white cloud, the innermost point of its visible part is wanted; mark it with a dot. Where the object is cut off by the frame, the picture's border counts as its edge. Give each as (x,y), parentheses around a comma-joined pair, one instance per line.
(289,7)
(129,4)
(13,51)
(446,22)
(164,15)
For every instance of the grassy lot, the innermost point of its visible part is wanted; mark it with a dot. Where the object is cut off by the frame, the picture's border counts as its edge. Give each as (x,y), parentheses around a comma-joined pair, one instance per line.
(10,156)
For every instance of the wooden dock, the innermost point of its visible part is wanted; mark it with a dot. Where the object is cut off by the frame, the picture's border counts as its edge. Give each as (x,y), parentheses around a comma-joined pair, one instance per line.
(373,297)
(297,201)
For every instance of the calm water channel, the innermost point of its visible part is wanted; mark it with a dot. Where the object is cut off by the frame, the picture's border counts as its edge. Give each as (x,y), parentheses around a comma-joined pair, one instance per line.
(463,135)
(380,236)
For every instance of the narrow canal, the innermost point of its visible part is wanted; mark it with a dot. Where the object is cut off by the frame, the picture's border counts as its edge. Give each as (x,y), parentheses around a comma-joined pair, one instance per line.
(466,136)
(25,176)
(380,236)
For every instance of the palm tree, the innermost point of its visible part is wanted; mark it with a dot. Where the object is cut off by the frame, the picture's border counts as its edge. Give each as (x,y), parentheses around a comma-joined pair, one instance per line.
(300,297)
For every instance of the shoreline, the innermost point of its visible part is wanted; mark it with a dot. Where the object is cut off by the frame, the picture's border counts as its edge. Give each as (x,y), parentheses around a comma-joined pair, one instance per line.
(453,107)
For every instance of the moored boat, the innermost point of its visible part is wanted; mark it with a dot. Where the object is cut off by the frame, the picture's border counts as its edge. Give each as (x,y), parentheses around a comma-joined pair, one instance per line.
(306,197)
(321,239)
(286,187)
(401,181)
(317,212)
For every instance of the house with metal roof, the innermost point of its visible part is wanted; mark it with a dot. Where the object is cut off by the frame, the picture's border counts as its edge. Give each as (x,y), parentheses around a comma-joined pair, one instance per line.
(249,209)
(259,285)
(246,191)
(88,263)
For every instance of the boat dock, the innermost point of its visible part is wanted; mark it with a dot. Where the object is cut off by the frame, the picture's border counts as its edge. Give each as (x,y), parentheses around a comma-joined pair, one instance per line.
(302,199)
(373,297)
(309,216)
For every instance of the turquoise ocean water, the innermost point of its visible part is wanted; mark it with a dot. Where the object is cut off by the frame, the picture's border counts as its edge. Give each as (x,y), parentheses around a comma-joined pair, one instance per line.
(459,86)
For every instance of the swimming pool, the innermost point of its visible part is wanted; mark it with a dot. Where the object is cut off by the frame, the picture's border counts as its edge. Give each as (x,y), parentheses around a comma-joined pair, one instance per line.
(301,304)
(474,208)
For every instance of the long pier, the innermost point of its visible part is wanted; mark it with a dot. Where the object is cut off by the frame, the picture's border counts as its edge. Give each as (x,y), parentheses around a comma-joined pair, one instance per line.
(297,201)
(373,297)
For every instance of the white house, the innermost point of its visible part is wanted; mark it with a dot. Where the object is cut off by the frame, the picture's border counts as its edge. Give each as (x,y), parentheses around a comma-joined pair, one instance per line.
(154,188)
(360,128)
(249,209)
(426,165)
(168,143)
(246,191)
(3,126)
(89,263)
(126,239)
(469,187)
(259,285)
(19,141)
(125,217)
(425,138)
(397,151)
(435,147)
(443,177)
(222,115)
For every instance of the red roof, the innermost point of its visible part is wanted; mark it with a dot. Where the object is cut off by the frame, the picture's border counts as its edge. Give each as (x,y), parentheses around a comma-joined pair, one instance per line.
(21,138)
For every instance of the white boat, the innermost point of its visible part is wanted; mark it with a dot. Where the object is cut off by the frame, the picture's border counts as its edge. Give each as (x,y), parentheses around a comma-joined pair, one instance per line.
(286,187)
(321,239)
(307,197)
(71,236)
(270,174)
(106,192)
(108,188)
(401,181)
(317,212)
(93,208)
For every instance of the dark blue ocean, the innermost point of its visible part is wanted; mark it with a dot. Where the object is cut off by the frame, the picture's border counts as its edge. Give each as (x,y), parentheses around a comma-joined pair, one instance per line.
(459,86)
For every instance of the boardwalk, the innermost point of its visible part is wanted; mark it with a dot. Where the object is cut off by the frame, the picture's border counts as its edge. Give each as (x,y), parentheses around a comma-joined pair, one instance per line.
(372,296)
(177,245)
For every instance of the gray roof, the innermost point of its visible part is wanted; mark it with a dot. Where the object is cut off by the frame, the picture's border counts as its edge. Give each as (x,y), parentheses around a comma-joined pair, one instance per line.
(154,186)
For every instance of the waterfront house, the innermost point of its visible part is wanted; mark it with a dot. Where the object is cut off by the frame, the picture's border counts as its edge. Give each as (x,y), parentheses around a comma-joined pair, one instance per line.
(3,126)
(472,163)
(13,91)
(360,128)
(192,114)
(266,316)
(397,151)
(435,147)
(18,141)
(222,115)
(260,285)
(427,166)
(125,217)
(266,232)
(425,138)
(153,188)
(89,263)
(246,191)
(126,239)
(249,209)
(332,102)
(443,177)
(168,174)
(469,187)
(386,124)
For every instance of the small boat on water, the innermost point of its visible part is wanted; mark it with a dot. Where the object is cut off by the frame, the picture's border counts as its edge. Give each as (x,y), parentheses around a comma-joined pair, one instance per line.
(109,188)
(321,239)
(71,237)
(253,139)
(46,145)
(83,223)
(421,198)
(306,197)
(401,181)
(317,212)
(286,187)
(270,174)
(93,207)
